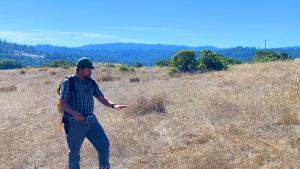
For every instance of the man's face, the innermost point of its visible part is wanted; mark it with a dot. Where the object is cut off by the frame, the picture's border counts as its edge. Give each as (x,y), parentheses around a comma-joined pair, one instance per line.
(85,72)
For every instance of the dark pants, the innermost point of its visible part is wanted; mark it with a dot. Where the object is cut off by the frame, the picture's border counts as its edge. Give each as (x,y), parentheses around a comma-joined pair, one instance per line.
(95,134)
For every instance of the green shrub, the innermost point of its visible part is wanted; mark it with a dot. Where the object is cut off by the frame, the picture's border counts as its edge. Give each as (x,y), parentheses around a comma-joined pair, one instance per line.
(163,63)
(125,68)
(61,64)
(9,64)
(268,56)
(212,61)
(230,61)
(172,71)
(185,61)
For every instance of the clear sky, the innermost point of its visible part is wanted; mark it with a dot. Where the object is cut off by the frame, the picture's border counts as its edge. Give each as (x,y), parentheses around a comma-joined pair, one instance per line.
(219,23)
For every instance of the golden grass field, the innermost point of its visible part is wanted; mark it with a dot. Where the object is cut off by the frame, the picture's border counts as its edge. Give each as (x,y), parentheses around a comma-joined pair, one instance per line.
(246,117)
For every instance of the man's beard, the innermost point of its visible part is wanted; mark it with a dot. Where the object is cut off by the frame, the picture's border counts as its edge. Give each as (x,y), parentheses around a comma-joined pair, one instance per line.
(88,76)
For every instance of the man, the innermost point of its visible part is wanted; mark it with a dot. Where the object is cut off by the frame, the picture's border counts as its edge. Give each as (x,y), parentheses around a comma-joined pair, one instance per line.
(81,121)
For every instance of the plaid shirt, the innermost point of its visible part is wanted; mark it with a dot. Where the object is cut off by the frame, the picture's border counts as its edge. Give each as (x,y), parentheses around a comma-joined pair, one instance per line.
(83,102)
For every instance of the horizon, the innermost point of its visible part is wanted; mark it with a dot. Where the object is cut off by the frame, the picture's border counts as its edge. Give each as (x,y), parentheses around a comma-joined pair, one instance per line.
(215,23)
(179,45)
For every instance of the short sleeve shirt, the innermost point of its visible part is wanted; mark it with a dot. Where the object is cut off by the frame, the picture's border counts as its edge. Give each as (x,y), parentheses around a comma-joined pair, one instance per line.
(82,99)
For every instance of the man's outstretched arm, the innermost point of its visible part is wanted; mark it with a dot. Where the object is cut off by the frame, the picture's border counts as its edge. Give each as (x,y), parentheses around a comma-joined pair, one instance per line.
(102,99)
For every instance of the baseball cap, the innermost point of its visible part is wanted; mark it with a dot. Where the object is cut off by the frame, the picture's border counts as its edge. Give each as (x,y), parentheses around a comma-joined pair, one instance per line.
(84,62)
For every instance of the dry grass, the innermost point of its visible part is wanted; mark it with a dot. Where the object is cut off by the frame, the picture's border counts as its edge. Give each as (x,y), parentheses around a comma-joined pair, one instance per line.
(47,82)
(247,117)
(107,78)
(43,69)
(144,105)
(22,72)
(289,118)
(52,73)
(134,79)
(7,89)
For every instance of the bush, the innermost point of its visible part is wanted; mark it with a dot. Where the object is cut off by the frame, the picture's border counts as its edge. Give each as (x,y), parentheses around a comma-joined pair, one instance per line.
(172,71)
(125,68)
(144,105)
(134,79)
(268,56)
(22,72)
(9,64)
(185,61)
(212,61)
(163,63)
(230,61)
(61,64)
(107,78)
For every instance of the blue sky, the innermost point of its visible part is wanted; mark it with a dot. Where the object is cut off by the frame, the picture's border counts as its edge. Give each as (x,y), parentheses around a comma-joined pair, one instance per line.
(219,23)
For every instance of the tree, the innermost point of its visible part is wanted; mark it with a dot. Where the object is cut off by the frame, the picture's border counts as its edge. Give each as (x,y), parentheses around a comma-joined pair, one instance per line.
(185,61)
(268,55)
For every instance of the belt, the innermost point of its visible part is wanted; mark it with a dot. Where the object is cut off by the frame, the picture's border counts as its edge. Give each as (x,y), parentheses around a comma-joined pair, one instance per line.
(88,120)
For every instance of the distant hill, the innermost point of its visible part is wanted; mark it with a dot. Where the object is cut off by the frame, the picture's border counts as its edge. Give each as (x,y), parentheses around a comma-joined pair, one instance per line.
(128,53)
(140,46)
(27,55)
(125,53)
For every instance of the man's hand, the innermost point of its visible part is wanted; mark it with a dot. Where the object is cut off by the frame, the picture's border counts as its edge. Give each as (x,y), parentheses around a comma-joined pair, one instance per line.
(78,117)
(66,107)
(119,106)
(108,103)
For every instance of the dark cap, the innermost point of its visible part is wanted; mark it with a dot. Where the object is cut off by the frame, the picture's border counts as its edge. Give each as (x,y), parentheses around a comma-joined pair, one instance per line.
(84,62)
